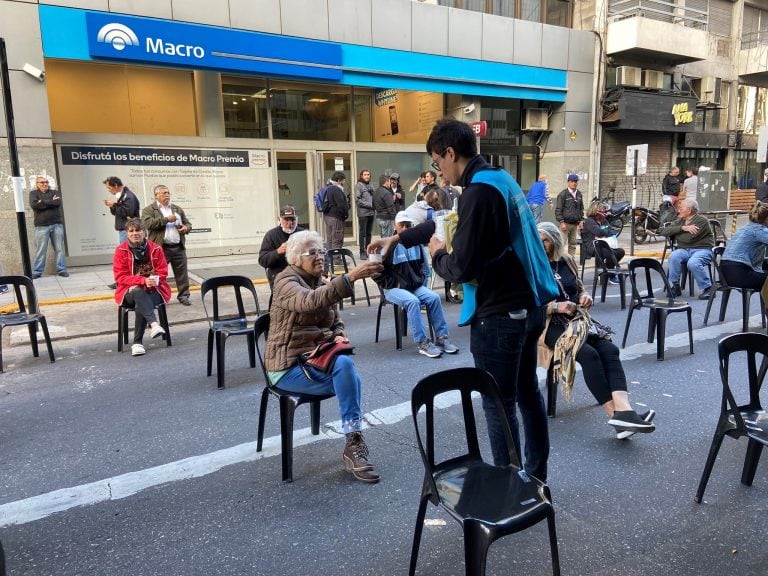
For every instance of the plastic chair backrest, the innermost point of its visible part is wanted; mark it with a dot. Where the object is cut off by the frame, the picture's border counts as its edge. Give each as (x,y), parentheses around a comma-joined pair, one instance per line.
(261,328)
(237,283)
(719,233)
(344,253)
(717,257)
(464,381)
(602,249)
(647,267)
(26,300)
(753,343)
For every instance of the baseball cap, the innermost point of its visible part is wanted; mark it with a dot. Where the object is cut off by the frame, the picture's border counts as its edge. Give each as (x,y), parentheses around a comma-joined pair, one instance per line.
(402,216)
(394,176)
(338,176)
(573,177)
(288,211)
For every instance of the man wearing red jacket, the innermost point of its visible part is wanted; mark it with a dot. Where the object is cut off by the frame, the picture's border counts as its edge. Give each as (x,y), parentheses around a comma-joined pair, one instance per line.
(140,272)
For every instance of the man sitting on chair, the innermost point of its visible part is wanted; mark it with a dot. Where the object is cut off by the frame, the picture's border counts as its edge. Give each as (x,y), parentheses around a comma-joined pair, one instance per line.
(403,282)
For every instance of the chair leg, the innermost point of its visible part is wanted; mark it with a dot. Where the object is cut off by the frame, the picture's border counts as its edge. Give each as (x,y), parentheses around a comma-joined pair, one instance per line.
(262,417)
(594,284)
(287,409)
(724,303)
(651,327)
(475,548)
(221,341)
(690,330)
(745,297)
(626,326)
(119,328)
(251,349)
(553,544)
(378,320)
(709,306)
(551,392)
(367,296)
(44,325)
(163,314)
(754,449)
(125,326)
(314,417)
(714,448)
(661,329)
(417,533)
(1,350)
(603,287)
(210,352)
(32,327)
(623,289)
(398,328)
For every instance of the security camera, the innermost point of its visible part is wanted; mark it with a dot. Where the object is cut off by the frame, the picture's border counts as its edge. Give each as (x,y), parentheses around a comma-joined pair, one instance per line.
(34,72)
(469,109)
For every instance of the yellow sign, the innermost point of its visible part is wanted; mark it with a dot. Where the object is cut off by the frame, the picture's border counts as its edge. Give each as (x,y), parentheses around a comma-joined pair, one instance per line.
(572,135)
(681,114)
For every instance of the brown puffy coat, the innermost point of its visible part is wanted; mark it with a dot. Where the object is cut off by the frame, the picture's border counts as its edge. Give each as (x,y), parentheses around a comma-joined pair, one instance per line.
(303,314)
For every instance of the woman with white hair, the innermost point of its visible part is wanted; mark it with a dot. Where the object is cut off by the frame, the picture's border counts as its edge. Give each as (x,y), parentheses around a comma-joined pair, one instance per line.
(303,314)
(598,356)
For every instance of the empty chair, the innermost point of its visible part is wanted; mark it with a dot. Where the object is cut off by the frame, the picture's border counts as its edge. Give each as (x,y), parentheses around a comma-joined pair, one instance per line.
(27,312)
(488,501)
(122,324)
(606,267)
(659,308)
(232,299)
(717,230)
(337,262)
(723,287)
(740,420)
(289,401)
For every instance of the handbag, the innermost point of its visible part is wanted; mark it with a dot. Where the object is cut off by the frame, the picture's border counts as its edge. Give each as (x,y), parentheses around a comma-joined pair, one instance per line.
(323,356)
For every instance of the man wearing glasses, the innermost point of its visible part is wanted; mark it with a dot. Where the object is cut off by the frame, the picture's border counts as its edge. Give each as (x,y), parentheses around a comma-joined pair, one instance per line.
(49,224)
(272,253)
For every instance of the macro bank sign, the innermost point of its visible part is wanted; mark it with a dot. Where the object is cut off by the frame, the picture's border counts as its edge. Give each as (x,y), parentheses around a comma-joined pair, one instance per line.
(126,38)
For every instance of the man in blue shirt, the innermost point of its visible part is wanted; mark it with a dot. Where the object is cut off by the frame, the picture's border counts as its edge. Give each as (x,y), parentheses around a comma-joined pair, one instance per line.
(537,196)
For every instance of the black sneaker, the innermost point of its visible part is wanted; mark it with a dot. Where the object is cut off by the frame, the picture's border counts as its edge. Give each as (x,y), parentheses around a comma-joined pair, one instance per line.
(112,286)
(64,274)
(705,294)
(629,421)
(675,290)
(646,416)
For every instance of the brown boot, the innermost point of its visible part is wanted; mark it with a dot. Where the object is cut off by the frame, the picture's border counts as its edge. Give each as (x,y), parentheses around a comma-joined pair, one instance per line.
(356,459)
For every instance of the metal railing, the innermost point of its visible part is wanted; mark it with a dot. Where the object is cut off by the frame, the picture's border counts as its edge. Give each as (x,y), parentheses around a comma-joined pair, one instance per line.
(658,10)
(754,39)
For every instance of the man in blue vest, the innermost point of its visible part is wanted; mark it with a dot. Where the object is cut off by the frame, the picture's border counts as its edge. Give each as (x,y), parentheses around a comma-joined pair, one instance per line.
(497,253)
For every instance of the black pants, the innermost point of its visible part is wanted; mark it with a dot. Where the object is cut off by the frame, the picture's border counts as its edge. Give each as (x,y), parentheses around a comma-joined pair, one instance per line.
(740,275)
(365,225)
(144,302)
(176,256)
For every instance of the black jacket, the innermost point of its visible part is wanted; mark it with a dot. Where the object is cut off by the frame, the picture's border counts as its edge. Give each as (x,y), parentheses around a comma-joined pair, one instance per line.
(47,210)
(269,258)
(126,206)
(569,209)
(670,185)
(761,193)
(337,202)
(384,203)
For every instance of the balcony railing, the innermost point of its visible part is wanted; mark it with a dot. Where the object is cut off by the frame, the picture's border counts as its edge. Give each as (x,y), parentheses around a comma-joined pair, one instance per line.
(658,10)
(754,39)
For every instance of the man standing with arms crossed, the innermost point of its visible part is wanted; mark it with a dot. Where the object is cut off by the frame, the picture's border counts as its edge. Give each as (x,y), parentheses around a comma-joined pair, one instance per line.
(569,212)
(49,224)
(364,201)
(496,246)
(167,225)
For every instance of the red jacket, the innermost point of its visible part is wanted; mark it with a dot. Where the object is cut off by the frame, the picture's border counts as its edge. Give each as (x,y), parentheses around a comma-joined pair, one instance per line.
(122,266)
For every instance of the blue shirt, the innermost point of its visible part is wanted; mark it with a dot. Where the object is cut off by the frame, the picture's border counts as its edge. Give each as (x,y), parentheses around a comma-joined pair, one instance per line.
(537,193)
(748,246)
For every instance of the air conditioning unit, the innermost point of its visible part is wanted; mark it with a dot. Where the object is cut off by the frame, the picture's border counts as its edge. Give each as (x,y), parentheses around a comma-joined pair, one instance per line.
(628,76)
(709,90)
(536,119)
(653,79)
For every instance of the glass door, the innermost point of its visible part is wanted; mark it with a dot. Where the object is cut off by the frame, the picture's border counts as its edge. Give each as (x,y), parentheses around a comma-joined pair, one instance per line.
(293,185)
(330,162)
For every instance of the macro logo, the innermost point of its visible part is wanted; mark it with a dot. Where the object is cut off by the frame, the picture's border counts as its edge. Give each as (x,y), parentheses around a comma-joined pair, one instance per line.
(118,35)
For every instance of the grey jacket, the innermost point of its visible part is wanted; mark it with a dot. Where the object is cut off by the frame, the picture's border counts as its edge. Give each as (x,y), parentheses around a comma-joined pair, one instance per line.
(364,199)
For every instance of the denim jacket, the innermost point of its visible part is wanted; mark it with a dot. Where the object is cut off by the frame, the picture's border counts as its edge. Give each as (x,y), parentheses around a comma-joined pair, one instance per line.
(748,246)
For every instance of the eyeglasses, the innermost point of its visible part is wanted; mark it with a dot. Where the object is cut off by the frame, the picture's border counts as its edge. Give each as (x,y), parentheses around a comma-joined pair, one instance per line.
(435,165)
(42,181)
(314,253)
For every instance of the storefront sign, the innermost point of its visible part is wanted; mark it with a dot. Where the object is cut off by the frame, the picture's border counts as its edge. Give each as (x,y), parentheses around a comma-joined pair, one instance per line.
(226,194)
(649,111)
(681,114)
(385,97)
(479,128)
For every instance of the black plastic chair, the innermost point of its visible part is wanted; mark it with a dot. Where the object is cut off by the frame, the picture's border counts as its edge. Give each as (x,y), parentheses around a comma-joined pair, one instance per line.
(659,308)
(401,321)
(739,420)
(27,312)
(229,319)
(605,268)
(289,401)
(122,324)
(488,501)
(337,263)
(717,229)
(722,286)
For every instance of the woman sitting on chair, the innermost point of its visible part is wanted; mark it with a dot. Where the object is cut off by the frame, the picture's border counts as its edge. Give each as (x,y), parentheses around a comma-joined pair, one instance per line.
(598,356)
(140,271)
(596,228)
(303,314)
(742,261)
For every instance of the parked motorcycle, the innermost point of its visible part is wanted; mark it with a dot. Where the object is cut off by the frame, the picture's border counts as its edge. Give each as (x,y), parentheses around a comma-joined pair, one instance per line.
(648,222)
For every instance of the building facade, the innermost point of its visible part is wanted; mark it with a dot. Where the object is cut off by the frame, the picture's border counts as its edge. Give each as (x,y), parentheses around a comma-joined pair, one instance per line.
(240,110)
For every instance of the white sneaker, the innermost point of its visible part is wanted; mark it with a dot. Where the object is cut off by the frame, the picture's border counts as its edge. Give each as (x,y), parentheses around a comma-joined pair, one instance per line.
(157,331)
(138,350)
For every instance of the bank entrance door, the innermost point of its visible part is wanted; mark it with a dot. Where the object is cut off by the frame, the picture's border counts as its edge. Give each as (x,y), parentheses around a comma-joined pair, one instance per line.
(520,161)
(327,164)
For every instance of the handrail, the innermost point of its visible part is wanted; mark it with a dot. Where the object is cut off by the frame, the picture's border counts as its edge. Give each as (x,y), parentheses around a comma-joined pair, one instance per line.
(658,10)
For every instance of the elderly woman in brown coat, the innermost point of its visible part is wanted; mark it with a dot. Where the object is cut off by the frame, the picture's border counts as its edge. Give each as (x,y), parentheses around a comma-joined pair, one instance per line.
(303,314)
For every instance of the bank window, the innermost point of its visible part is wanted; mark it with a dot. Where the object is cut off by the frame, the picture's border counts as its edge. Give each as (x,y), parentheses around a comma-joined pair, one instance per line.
(556,12)
(363,114)
(746,170)
(309,111)
(245,107)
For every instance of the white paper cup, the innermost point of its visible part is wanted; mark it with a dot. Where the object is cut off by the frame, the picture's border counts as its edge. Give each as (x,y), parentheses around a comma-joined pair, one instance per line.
(440,227)
(375,258)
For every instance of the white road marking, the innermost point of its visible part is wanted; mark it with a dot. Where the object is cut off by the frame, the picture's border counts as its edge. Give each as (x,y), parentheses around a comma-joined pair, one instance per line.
(125,485)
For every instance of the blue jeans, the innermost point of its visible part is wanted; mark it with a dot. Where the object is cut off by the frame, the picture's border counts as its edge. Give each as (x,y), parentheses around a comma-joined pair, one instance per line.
(122,236)
(56,234)
(697,259)
(386,228)
(411,302)
(507,349)
(343,380)
(537,210)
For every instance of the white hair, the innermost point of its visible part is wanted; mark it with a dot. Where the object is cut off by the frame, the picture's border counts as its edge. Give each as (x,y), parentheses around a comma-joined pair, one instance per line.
(300,242)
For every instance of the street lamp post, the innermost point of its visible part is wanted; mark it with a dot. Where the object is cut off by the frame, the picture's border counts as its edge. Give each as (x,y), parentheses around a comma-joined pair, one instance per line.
(18,181)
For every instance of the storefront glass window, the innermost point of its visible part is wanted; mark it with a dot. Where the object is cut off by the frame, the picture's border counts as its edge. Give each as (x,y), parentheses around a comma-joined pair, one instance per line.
(746,170)
(363,115)
(309,111)
(408,165)
(245,107)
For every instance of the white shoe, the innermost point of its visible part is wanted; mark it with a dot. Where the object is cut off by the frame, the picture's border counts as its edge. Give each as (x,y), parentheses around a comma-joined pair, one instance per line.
(157,331)
(138,350)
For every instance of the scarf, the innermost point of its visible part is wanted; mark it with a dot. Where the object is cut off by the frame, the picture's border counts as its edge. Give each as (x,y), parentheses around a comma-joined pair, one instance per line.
(139,252)
(566,347)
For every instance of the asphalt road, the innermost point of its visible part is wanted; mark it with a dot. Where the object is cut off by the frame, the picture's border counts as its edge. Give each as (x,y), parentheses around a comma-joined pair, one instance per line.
(114,465)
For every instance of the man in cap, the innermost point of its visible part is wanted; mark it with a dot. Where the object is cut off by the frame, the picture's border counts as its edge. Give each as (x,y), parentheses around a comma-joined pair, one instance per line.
(397,191)
(337,211)
(569,212)
(272,253)
(403,282)
(761,193)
